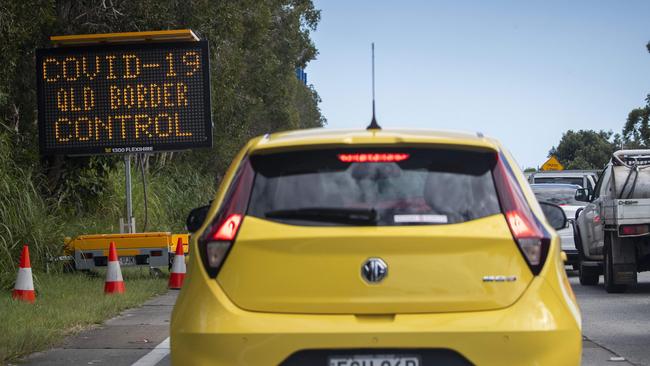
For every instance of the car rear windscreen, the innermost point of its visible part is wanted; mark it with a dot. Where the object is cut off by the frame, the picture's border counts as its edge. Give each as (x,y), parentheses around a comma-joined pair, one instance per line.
(557,195)
(374,186)
(563,180)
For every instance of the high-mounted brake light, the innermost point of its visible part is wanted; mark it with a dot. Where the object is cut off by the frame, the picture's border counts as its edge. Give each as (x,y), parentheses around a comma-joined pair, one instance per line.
(373,157)
(530,236)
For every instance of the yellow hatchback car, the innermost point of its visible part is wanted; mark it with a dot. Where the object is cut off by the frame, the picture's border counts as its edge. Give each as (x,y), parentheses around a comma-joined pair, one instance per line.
(375,248)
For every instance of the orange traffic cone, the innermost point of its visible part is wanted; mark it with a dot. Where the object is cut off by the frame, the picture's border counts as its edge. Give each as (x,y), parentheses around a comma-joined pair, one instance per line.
(114,282)
(178,267)
(24,288)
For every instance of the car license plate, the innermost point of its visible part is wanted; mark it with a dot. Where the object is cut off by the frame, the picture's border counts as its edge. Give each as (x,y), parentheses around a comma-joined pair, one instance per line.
(127,261)
(374,360)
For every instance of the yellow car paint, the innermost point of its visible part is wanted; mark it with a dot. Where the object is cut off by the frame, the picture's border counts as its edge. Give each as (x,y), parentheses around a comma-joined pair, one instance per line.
(535,321)
(432,268)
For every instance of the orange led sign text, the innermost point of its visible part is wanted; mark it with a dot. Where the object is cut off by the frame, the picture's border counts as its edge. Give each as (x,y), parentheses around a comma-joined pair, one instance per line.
(123,98)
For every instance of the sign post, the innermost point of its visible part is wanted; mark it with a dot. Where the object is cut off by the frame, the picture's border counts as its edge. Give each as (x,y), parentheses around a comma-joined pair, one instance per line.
(124,93)
(129,226)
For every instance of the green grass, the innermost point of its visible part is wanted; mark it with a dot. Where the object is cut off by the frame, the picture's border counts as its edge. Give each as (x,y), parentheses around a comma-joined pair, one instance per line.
(31,214)
(66,304)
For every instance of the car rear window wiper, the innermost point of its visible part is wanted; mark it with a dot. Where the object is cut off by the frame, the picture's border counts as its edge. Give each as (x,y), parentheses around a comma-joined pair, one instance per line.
(327,214)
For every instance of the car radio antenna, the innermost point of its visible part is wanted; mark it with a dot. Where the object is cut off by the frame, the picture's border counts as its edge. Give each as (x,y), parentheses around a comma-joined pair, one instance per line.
(373,123)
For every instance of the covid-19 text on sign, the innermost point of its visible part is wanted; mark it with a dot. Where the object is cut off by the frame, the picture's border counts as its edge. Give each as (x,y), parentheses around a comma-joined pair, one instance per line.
(123,99)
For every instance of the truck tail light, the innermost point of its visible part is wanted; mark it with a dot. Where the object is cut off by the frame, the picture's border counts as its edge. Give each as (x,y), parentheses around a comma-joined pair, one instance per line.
(531,237)
(633,230)
(217,241)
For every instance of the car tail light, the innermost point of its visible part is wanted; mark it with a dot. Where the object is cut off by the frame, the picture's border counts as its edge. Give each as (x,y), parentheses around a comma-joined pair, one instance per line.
(228,230)
(217,241)
(373,157)
(156,253)
(221,240)
(531,237)
(217,251)
(633,229)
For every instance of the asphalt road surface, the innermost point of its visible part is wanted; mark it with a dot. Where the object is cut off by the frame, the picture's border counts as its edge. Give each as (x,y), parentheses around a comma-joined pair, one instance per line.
(615,326)
(137,337)
(616,330)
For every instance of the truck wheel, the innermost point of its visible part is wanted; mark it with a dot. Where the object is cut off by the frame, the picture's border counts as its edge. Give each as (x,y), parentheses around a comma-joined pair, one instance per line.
(608,272)
(588,276)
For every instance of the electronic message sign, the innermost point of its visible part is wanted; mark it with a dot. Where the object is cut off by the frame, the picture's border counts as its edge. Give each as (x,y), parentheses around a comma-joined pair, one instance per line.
(133,98)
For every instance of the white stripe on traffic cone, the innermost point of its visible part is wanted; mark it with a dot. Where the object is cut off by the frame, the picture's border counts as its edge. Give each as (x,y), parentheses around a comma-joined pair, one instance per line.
(24,280)
(114,272)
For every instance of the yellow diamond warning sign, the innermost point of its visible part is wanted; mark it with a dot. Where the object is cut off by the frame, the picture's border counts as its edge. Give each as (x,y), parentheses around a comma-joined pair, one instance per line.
(552,164)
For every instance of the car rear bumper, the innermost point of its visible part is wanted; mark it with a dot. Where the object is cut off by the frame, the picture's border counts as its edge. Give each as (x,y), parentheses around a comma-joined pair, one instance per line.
(208,329)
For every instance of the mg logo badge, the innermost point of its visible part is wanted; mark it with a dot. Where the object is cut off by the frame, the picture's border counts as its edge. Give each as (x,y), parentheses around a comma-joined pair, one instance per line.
(374,270)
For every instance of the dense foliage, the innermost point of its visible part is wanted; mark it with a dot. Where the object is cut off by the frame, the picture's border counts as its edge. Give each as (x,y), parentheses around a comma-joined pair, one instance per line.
(255,47)
(585,149)
(636,131)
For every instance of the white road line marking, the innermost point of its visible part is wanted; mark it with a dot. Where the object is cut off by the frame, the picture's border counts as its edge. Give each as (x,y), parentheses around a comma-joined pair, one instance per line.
(156,355)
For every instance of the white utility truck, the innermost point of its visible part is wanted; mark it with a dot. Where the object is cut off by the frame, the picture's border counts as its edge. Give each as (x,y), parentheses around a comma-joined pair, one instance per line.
(612,232)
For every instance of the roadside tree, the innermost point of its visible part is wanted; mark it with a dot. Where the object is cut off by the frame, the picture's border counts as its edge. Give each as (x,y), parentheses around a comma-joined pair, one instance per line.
(585,149)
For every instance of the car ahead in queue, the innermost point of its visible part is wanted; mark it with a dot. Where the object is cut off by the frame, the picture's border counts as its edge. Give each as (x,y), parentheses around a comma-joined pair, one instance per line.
(375,247)
(564,196)
(583,178)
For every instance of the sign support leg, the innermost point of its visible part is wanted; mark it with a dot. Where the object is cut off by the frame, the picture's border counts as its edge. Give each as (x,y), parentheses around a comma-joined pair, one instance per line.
(130,222)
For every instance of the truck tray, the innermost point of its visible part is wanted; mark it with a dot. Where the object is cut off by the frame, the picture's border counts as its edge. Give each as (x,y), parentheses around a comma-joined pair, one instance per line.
(627,211)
